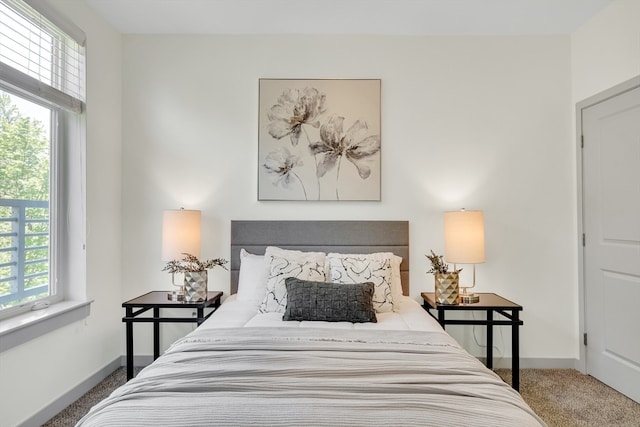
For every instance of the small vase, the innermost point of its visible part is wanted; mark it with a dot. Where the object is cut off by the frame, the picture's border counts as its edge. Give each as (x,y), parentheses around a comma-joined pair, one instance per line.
(446,287)
(195,285)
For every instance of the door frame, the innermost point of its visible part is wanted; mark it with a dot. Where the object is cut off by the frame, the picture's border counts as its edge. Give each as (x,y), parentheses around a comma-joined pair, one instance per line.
(616,90)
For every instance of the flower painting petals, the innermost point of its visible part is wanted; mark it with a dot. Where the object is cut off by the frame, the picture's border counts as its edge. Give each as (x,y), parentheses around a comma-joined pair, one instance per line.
(280,112)
(289,97)
(360,154)
(328,162)
(279,129)
(364,170)
(330,145)
(295,135)
(356,132)
(319,147)
(334,143)
(331,131)
(279,164)
(365,148)
(293,110)
(313,103)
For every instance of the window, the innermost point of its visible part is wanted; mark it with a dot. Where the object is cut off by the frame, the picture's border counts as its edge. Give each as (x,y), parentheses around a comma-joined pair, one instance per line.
(25,232)
(42,97)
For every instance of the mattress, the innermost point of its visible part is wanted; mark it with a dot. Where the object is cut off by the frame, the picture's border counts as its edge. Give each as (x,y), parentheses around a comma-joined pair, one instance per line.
(242,367)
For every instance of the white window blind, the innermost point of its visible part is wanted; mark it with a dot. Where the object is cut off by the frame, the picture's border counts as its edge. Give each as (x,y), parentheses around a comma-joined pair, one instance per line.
(39,58)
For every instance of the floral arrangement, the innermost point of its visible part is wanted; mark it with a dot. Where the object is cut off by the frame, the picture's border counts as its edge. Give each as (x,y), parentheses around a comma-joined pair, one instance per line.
(438,266)
(190,263)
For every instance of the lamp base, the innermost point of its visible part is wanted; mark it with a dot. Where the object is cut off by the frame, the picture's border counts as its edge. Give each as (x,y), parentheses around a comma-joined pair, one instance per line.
(469,298)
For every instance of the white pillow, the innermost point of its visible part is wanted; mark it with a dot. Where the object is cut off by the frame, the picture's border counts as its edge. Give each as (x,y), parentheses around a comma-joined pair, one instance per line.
(396,280)
(251,283)
(359,268)
(282,263)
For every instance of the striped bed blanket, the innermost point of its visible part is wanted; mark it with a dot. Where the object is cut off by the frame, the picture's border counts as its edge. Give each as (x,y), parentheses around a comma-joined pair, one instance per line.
(313,377)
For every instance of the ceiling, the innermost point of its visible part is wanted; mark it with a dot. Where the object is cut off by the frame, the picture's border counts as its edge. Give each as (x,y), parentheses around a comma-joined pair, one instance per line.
(387,17)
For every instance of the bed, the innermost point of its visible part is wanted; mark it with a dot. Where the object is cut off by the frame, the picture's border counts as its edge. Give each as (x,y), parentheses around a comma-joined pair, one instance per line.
(351,349)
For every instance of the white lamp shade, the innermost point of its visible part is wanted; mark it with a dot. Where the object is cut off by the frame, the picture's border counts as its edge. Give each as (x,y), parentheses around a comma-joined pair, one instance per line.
(180,234)
(464,237)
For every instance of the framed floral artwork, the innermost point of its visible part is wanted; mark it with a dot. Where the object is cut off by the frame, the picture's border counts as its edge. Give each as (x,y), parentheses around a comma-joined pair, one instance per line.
(319,139)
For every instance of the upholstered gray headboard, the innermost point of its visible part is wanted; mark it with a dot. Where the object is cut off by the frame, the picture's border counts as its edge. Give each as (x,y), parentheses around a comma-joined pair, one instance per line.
(321,236)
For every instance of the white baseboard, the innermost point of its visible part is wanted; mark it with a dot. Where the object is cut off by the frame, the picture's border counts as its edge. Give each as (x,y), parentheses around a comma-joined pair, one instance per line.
(51,410)
(534,363)
(138,361)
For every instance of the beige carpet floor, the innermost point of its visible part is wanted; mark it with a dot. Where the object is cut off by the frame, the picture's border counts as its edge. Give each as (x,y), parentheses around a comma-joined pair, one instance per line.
(567,398)
(562,397)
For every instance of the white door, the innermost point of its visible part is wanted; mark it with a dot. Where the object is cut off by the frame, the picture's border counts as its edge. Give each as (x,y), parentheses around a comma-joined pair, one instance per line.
(611,221)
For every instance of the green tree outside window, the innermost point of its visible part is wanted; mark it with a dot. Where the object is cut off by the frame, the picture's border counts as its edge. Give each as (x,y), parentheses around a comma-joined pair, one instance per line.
(24,175)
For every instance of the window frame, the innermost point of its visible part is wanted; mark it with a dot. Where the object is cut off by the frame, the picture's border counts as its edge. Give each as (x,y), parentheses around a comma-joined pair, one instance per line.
(57,198)
(67,300)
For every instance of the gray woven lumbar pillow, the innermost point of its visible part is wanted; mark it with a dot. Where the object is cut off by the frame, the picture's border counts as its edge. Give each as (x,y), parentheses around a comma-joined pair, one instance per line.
(330,302)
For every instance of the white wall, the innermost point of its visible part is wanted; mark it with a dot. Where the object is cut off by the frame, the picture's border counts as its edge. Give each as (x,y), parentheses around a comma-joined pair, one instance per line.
(38,372)
(606,50)
(474,122)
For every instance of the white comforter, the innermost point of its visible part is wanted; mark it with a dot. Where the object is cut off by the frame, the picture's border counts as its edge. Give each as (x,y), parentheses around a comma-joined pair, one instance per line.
(313,377)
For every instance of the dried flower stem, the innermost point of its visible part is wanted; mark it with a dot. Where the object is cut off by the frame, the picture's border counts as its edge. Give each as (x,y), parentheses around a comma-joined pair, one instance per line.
(438,266)
(191,263)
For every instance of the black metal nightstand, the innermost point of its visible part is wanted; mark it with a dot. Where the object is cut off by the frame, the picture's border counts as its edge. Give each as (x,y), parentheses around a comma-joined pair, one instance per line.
(156,300)
(488,303)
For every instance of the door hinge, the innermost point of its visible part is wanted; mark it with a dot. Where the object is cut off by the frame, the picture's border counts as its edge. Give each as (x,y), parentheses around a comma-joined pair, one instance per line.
(581,141)
(584,240)
(584,338)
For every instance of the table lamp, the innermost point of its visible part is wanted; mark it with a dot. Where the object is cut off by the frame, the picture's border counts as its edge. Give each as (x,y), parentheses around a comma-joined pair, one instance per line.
(464,244)
(180,235)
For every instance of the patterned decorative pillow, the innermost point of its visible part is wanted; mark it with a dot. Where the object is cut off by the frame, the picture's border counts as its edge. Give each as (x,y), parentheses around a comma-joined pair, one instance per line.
(282,263)
(360,268)
(329,302)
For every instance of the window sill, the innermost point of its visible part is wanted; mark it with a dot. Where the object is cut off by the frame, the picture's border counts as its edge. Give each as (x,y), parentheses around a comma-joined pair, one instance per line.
(27,326)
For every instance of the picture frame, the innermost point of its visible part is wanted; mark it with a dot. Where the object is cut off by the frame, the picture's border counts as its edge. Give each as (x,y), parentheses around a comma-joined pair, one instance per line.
(319,139)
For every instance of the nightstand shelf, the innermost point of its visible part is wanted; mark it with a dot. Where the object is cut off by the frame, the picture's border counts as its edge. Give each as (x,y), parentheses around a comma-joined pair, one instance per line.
(156,300)
(489,303)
